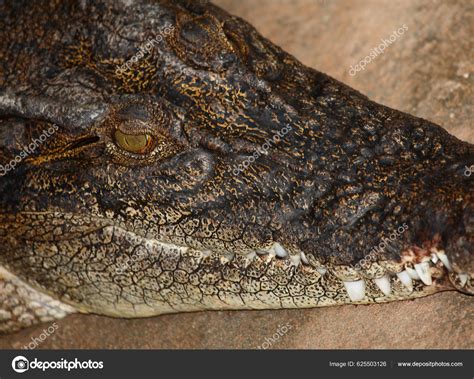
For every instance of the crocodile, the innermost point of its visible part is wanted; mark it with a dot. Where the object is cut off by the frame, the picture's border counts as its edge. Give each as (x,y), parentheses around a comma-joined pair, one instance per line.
(163,156)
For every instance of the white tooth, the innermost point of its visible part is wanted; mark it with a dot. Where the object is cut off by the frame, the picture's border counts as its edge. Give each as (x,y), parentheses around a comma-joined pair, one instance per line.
(295,260)
(355,290)
(251,255)
(303,258)
(406,279)
(442,256)
(423,271)
(384,284)
(321,270)
(279,250)
(434,258)
(412,273)
(228,256)
(463,279)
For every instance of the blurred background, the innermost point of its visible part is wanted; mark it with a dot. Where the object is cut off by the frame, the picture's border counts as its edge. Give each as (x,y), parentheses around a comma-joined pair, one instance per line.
(428,72)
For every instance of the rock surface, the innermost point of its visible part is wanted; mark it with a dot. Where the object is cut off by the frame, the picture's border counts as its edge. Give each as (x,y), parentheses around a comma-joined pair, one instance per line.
(428,72)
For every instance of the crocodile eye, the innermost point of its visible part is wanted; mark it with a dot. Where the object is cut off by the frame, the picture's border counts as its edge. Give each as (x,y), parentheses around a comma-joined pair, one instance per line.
(137,144)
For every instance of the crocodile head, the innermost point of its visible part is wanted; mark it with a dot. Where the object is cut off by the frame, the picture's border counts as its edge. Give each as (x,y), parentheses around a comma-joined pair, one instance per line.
(169,158)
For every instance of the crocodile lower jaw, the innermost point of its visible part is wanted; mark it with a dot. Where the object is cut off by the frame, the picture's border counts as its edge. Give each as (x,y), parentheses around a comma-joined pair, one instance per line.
(146,277)
(287,282)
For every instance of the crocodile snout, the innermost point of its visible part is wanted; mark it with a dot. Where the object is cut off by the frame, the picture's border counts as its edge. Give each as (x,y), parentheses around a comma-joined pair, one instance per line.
(448,226)
(460,246)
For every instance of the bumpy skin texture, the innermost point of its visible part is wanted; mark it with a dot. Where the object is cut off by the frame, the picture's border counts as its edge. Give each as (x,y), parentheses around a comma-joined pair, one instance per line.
(178,228)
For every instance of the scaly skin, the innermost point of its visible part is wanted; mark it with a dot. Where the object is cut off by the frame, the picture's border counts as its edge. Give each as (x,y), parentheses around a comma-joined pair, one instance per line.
(211,214)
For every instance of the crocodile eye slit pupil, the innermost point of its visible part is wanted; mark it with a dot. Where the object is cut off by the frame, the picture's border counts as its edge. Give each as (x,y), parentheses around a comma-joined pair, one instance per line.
(137,144)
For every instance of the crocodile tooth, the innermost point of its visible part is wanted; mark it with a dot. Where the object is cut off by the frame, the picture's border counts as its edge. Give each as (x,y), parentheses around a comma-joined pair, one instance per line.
(423,271)
(251,255)
(384,284)
(303,258)
(405,278)
(228,256)
(321,270)
(463,279)
(355,289)
(443,257)
(295,259)
(279,250)
(413,274)
(426,259)
(434,258)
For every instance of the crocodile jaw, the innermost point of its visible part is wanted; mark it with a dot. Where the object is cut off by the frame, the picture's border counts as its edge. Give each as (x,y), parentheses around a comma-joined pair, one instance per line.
(148,277)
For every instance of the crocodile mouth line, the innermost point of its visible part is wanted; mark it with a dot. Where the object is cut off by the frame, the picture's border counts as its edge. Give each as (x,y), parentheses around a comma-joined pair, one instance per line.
(309,286)
(419,272)
(384,281)
(431,273)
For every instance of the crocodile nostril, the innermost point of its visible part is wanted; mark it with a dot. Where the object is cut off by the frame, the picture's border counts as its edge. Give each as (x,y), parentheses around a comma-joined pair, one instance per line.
(195,33)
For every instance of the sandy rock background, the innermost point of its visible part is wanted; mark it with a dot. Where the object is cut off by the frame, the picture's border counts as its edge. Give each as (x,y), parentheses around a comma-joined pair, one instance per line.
(428,72)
